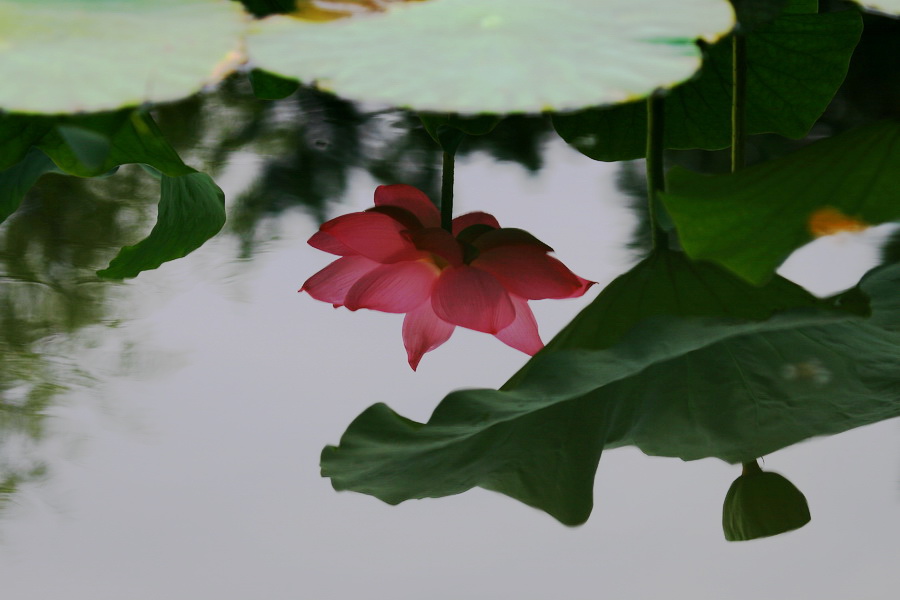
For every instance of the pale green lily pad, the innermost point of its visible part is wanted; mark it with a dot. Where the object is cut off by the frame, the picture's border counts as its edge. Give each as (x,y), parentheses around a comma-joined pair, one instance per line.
(91,55)
(884,6)
(502,56)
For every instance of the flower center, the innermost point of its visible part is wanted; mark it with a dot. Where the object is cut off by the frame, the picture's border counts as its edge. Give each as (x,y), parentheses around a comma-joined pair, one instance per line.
(470,252)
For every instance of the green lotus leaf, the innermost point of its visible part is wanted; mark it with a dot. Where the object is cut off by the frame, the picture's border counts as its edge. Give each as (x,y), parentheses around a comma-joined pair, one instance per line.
(750,221)
(503,56)
(752,13)
(795,65)
(17,179)
(132,135)
(271,87)
(191,210)
(62,56)
(18,134)
(90,147)
(689,374)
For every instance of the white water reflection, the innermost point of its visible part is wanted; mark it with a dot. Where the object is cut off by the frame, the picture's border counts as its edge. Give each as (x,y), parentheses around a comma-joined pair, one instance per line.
(196,476)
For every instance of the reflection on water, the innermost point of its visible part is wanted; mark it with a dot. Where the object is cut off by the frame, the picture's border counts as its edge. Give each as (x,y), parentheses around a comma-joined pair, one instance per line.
(304,150)
(49,250)
(311,142)
(293,156)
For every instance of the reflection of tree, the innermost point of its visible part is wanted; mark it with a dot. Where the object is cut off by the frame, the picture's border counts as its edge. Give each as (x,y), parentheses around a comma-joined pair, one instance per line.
(65,230)
(631,181)
(311,143)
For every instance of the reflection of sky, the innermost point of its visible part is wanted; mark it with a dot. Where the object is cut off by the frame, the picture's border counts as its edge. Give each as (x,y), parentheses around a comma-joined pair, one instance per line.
(197,477)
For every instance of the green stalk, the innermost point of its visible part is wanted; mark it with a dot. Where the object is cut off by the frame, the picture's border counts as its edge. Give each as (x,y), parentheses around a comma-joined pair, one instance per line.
(447,191)
(656,179)
(750,468)
(738,100)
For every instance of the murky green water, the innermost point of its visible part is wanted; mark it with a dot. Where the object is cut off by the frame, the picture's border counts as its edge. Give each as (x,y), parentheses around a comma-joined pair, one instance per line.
(160,437)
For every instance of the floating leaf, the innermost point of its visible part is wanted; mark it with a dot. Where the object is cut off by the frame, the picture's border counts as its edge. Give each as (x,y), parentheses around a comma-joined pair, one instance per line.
(794,67)
(469,56)
(675,383)
(191,210)
(750,221)
(91,55)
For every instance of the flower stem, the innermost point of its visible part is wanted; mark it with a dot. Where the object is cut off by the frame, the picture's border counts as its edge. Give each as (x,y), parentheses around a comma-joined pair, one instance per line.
(750,468)
(656,180)
(447,191)
(738,100)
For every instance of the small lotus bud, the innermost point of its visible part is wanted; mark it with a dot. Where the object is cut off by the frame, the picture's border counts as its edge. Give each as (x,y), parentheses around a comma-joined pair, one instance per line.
(761,504)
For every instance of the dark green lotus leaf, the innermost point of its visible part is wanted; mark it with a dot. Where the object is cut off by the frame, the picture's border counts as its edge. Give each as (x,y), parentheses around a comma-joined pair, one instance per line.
(74,138)
(191,205)
(18,133)
(794,67)
(753,13)
(90,147)
(191,210)
(762,504)
(133,138)
(16,180)
(91,144)
(269,86)
(742,381)
(669,284)
(750,221)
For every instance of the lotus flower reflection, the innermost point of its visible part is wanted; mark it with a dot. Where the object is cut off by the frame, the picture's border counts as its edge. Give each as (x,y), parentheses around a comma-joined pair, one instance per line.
(396,258)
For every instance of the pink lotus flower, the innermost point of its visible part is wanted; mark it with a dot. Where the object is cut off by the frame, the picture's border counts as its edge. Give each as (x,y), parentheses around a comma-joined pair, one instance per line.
(396,258)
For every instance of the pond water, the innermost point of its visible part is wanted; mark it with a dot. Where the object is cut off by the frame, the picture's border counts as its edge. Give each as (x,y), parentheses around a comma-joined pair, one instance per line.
(171,427)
